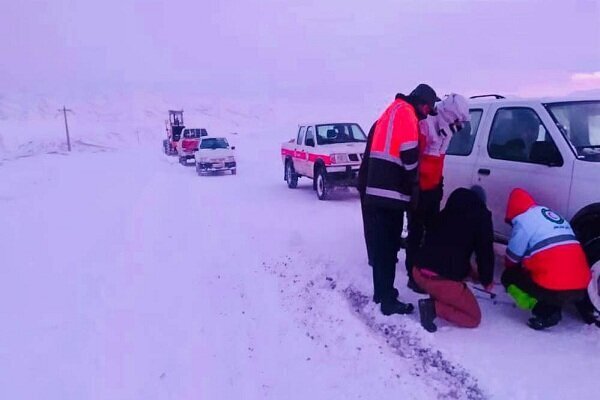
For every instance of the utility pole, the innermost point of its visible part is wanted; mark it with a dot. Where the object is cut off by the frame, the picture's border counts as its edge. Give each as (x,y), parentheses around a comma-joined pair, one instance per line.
(64,111)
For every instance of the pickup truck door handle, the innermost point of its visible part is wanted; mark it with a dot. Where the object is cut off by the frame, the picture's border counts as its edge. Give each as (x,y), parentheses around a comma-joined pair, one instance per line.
(484,171)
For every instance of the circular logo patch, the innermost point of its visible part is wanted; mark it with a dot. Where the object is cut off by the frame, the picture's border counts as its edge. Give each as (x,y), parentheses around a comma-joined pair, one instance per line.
(552,216)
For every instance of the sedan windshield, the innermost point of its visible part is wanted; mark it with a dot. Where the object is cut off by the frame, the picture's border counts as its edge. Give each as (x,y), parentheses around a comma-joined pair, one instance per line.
(340,133)
(579,122)
(217,143)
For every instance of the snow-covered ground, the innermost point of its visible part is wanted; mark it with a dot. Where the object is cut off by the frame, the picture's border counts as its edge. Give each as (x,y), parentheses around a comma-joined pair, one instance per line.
(126,276)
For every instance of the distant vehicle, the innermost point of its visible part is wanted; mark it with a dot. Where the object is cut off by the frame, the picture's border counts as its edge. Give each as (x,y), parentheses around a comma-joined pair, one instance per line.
(215,155)
(188,144)
(174,126)
(328,153)
(549,147)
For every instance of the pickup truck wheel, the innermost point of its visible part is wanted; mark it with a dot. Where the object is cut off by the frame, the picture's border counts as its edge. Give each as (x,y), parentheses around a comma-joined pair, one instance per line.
(290,175)
(592,250)
(233,171)
(321,181)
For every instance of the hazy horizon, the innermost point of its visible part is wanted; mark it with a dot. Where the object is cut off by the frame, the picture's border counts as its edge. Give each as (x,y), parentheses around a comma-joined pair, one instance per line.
(298,50)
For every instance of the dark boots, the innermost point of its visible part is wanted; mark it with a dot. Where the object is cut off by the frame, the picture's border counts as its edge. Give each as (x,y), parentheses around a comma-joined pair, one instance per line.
(545,315)
(396,307)
(427,314)
(539,323)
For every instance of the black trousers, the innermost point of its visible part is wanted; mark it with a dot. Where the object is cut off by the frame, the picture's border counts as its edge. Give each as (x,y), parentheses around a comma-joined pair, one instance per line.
(428,207)
(367,217)
(549,301)
(383,229)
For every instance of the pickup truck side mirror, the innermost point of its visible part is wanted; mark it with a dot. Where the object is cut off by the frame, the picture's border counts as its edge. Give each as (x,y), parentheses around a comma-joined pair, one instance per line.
(310,142)
(232,147)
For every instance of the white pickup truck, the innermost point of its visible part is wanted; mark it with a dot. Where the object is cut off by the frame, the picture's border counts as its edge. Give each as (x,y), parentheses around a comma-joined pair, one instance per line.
(328,153)
(549,147)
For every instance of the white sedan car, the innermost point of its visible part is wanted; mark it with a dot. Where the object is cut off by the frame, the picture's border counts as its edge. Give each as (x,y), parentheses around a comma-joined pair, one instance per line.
(215,155)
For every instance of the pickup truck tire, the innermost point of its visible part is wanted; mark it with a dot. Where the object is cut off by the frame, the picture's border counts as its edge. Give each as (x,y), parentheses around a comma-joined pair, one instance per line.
(233,171)
(169,150)
(166,146)
(586,227)
(321,183)
(592,250)
(290,175)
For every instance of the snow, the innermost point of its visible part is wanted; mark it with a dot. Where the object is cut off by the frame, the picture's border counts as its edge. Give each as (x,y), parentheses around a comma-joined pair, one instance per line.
(126,276)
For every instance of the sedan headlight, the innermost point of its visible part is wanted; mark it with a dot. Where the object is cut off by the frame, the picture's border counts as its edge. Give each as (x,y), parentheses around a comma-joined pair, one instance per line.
(339,158)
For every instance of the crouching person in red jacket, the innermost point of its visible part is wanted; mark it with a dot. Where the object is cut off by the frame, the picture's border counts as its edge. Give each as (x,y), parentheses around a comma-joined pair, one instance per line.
(462,228)
(545,264)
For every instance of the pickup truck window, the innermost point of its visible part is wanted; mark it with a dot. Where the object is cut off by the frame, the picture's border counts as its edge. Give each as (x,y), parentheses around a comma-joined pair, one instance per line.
(517,134)
(579,122)
(340,133)
(192,133)
(310,135)
(462,141)
(300,137)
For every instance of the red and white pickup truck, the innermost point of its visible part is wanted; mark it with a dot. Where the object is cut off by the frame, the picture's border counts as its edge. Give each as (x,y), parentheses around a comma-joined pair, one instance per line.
(329,153)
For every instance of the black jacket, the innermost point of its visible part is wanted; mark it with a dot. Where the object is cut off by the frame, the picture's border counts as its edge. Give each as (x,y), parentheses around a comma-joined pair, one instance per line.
(462,228)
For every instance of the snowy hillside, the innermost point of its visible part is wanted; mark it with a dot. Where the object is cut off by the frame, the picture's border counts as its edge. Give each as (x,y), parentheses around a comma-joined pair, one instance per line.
(32,124)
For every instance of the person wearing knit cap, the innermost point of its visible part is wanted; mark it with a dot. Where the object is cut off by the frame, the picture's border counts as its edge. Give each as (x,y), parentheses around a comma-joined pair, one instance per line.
(386,180)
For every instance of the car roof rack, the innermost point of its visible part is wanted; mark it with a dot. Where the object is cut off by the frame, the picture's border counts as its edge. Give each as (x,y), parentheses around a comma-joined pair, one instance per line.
(497,96)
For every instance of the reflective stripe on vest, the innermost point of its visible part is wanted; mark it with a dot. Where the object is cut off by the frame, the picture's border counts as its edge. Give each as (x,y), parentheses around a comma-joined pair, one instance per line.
(383,139)
(390,129)
(389,194)
(551,242)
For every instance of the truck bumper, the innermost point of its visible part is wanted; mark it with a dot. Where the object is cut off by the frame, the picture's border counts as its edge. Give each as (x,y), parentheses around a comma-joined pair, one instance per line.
(343,175)
(215,167)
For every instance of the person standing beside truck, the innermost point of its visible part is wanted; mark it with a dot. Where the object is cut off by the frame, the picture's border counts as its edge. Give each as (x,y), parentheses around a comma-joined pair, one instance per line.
(386,181)
(435,134)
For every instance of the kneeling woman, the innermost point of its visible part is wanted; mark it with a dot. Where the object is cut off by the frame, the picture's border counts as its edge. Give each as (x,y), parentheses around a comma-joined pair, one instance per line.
(462,228)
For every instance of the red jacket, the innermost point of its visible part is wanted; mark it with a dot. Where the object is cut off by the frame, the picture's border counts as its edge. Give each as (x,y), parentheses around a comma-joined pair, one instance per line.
(544,243)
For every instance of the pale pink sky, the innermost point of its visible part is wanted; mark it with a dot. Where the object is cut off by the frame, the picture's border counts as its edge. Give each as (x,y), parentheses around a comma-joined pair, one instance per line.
(298,49)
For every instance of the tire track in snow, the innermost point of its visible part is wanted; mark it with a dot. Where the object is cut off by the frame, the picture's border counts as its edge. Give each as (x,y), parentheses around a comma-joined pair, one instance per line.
(309,282)
(452,380)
